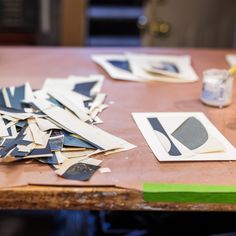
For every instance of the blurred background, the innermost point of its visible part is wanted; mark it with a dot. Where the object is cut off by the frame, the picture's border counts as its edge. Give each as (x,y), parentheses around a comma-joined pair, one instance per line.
(168,23)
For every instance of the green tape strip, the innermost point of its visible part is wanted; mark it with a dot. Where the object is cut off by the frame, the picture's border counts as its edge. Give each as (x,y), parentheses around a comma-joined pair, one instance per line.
(188,193)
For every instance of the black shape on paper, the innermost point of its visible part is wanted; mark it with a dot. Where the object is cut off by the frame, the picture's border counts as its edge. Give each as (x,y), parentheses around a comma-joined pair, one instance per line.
(80,171)
(191,133)
(9,131)
(49,160)
(19,95)
(156,125)
(12,110)
(12,143)
(72,141)
(21,123)
(166,66)
(55,102)
(1,141)
(41,151)
(84,88)
(2,101)
(9,128)
(32,105)
(17,153)
(56,133)
(56,140)
(87,103)
(7,141)
(121,64)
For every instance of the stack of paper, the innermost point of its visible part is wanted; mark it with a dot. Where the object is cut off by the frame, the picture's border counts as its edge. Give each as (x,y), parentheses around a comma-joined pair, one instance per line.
(56,125)
(183,137)
(148,67)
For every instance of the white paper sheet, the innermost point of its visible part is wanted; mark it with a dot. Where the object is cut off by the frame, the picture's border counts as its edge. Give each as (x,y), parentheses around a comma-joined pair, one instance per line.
(170,121)
(140,67)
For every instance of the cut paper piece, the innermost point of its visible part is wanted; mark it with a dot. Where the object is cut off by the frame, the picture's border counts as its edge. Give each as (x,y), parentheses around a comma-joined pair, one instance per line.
(85,88)
(36,132)
(12,143)
(6,117)
(231,59)
(93,114)
(13,131)
(81,169)
(156,125)
(97,120)
(92,78)
(3,128)
(56,141)
(217,147)
(45,124)
(72,149)
(26,148)
(65,100)
(189,193)
(41,152)
(21,123)
(45,138)
(104,170)
(72,124)
(21,151)
(73,81)
(78,99)
(79,154)
(121,64)
(60,157)
(91,161)
(191,133)
(2,102)
(6,141)
(49,160)
(6,97)
(9,124)
(14,114)
(73,141)
(14,96)
(98,101)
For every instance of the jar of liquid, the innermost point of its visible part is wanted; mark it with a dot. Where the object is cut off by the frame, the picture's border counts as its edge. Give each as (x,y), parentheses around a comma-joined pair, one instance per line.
(217,88)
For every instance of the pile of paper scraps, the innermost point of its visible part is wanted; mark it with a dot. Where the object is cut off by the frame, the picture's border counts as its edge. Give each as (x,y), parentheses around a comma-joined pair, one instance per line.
(147,67)
(56,125)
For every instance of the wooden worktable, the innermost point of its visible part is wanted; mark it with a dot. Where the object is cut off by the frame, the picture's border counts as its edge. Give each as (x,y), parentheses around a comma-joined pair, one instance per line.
(18,65)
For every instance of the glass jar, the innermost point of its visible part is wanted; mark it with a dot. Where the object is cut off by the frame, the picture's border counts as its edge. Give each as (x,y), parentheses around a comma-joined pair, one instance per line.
(217,88)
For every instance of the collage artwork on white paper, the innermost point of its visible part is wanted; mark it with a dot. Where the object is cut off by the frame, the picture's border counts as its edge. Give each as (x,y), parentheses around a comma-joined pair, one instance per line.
(183,136)
(147,67)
